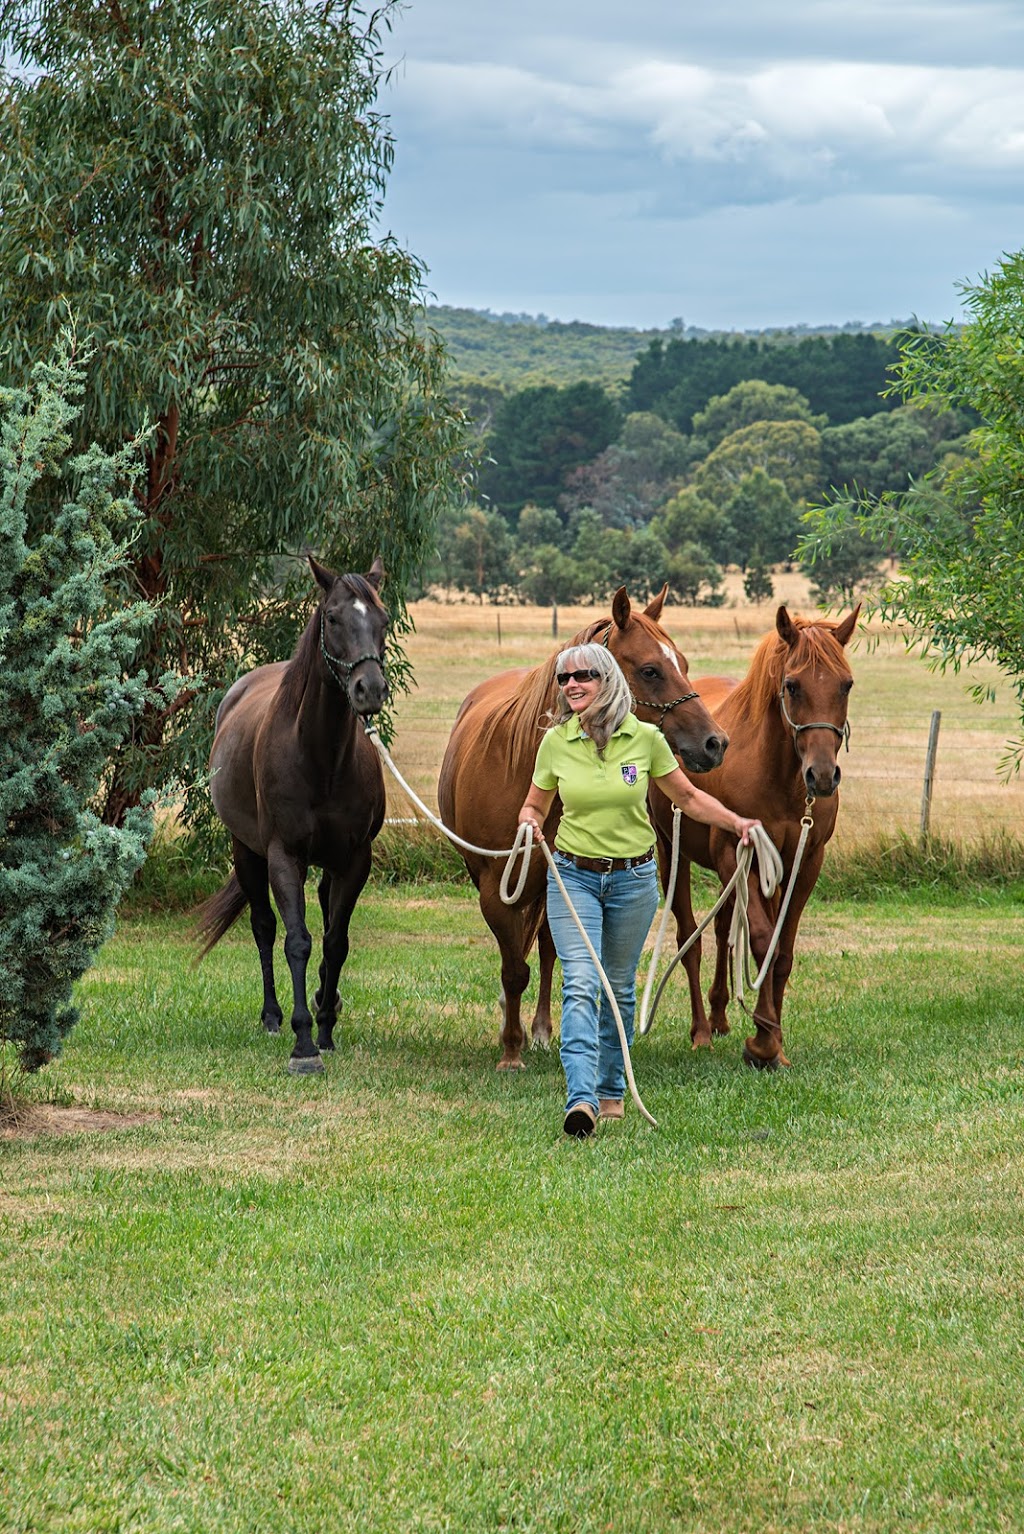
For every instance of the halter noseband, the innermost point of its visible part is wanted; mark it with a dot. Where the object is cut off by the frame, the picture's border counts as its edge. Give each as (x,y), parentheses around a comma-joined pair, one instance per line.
(821,724)
(662,708)
(341,670)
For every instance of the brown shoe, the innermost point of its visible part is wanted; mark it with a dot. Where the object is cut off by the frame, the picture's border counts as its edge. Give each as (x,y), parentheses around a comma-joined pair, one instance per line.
(610,1108)
(580,1121)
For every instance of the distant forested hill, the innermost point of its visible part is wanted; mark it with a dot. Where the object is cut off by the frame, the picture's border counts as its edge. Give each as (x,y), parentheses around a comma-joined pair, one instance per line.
(519,351)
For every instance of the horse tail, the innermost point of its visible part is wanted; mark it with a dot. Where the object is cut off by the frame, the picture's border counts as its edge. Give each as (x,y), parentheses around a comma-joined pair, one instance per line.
(217,914)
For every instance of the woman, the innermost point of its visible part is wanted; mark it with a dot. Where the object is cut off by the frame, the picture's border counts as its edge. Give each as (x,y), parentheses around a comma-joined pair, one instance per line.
(598,757)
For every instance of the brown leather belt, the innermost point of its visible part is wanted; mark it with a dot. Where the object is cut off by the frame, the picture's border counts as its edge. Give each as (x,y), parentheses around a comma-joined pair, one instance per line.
(605,865)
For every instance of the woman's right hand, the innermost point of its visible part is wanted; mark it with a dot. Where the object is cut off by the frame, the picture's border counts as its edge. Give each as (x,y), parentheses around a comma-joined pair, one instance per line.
(528,817)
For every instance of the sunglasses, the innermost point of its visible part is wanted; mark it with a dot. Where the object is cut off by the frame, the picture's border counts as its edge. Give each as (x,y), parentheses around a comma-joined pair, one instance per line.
(590,675)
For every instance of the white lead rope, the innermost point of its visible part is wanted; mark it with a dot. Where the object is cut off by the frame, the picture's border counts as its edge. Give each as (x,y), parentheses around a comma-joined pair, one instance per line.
(770,871)
(769,867)
(739,932)
(522,849)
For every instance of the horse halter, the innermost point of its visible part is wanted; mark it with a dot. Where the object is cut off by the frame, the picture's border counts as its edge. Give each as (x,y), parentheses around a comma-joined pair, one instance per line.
(661,709)
(341,670)
(820,724)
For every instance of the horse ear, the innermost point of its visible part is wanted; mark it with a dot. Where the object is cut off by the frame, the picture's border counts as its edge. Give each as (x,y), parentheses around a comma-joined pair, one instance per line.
(654,606)
(375,574)
(621,608)
(785,626)
(846,628)
(323,575)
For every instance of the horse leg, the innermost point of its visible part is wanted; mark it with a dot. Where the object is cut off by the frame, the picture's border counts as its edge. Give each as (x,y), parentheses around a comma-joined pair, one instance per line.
(253,876)
(783,966)
(508,924)
(344,892)
(287,880)
(540,1032)
(323,891)
(718,992)
(763,1050)
(686,926)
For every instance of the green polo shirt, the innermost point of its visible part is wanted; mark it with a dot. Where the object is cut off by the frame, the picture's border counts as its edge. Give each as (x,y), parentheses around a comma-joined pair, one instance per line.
(604,799)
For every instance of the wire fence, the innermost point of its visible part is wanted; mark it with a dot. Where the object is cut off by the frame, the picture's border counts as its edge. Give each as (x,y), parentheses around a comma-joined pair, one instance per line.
(894,698)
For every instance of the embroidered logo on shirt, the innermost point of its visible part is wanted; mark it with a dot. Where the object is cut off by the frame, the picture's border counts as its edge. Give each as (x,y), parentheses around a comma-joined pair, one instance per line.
(628,774)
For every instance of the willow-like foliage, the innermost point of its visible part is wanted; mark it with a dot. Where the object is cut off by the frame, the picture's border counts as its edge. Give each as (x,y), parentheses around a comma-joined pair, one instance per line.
(958,533)
(198,183)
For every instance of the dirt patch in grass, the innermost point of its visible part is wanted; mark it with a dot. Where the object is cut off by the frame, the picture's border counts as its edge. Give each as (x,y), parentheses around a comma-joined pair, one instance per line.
(26,1121)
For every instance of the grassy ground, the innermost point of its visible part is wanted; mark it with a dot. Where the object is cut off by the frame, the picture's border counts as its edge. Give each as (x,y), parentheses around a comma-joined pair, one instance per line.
(394,1298)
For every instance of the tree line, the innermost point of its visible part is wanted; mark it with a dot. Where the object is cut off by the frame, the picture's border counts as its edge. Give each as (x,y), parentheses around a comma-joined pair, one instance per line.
(579,490)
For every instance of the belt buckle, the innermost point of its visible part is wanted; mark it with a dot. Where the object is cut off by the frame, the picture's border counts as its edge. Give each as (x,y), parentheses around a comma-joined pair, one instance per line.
(607,860)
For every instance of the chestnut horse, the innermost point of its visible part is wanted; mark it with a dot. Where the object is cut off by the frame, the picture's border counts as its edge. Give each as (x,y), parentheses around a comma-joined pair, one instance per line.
(487,769)
(786,720)
(297,781)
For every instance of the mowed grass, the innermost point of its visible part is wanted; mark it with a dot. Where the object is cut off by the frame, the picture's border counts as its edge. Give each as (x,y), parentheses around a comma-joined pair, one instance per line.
(393,1297)
(455,646)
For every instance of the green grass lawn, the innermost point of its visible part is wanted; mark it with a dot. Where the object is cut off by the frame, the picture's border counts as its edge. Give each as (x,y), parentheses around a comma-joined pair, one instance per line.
(395,1298)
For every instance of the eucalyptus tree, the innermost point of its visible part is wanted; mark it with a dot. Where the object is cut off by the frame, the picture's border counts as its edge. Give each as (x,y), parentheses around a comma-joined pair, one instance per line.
(199,184)
(959,532)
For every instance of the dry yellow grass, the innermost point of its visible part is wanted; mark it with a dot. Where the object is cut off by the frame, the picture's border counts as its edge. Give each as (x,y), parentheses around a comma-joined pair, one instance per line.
(456,645)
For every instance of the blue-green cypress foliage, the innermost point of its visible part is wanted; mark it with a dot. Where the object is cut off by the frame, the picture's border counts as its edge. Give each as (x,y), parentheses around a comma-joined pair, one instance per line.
(69,700)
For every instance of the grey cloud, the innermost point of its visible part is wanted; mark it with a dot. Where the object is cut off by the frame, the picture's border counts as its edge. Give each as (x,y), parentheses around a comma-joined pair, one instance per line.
(557,156)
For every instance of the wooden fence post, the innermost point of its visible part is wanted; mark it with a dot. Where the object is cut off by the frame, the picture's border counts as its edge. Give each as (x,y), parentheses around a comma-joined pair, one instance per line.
(929,775)
(554,620)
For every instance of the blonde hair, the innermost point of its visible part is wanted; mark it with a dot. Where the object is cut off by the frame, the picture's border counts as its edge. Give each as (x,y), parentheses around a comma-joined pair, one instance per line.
(614,699)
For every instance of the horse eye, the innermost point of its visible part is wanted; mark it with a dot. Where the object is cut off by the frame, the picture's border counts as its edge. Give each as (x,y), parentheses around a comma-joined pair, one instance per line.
(845,687)
(650,673)
(332,620)
(792,687)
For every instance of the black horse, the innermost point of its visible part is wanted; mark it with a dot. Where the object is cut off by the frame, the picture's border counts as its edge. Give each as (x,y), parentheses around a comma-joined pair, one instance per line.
(297,782)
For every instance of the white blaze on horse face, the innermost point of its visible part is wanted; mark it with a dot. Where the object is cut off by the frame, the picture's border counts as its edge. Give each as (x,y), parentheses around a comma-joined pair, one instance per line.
(359,607)
(669,655)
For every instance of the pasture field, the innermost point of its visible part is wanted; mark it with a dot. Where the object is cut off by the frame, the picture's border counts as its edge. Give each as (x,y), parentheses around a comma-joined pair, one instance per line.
(395,1298)
(454,646)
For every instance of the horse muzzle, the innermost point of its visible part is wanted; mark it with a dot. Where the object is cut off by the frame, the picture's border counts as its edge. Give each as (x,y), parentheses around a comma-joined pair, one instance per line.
(367,690)
(822,781)
(705,756)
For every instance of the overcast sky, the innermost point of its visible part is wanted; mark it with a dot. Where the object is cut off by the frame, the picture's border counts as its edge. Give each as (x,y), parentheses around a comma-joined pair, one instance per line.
(739,164)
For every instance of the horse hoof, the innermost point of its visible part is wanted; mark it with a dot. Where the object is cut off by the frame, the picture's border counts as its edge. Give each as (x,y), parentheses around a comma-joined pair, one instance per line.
(510,1065)
(305,1065)
(541,1040)
(759,1063)
(271,1024)
(720,1026)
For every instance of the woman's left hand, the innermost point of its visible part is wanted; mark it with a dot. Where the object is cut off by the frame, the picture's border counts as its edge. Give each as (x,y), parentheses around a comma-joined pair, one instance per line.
(744,828)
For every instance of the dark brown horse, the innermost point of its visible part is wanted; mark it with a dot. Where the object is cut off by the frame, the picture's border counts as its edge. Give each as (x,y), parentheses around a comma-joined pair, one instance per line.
(786,721)
(487,769)
(297,782)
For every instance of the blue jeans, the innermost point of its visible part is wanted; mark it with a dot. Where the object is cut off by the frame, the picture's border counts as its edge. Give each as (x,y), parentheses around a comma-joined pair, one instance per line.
(616,910)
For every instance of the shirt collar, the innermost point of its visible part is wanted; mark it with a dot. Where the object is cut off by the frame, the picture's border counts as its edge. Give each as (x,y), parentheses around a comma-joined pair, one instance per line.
(627,727)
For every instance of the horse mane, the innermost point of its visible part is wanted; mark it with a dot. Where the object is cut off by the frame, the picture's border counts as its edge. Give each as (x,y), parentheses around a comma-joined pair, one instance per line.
(303,660)
(754,696)
(523,712)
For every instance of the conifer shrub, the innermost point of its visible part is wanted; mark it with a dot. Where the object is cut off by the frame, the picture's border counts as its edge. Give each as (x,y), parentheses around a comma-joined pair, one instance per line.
(69,701)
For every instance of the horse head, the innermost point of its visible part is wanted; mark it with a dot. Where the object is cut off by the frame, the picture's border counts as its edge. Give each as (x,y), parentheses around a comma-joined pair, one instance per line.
(813,691)
(659,681)
(353,625)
